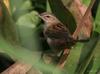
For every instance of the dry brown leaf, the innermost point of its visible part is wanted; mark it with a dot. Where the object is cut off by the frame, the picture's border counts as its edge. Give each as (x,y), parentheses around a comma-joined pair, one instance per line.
(17,68)
(7,4)
(78,10)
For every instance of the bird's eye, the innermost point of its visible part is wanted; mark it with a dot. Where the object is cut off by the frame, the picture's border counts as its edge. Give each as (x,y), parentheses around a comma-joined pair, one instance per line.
(47,16)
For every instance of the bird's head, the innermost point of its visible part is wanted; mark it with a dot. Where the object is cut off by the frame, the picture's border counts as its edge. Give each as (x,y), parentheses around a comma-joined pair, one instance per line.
(48,18)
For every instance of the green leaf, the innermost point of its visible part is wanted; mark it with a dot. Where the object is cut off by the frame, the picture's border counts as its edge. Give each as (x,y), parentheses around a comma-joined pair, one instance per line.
(73,58)
(63,14)
(97,20)
(96,63)
(27,22)
(19,8)
(7,26)
(27,30)
(86,2)
(48,7)
(17,52)
(87,53)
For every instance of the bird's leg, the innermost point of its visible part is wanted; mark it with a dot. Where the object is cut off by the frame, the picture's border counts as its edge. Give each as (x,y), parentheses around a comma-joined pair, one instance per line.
(63,58)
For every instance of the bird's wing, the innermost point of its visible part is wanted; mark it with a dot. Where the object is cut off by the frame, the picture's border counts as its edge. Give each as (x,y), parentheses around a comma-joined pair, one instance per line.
(58,31)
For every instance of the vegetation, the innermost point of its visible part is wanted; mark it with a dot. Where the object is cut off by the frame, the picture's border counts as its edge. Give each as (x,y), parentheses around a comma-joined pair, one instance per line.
(21,28)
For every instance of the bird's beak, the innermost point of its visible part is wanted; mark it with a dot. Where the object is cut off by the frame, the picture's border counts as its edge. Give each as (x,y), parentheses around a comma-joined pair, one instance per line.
(41,17)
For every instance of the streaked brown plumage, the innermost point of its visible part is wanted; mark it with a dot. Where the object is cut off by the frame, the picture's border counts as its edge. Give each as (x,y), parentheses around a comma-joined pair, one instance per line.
(57,34)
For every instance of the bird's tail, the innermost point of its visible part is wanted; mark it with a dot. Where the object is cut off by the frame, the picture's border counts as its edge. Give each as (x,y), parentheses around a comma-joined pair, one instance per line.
(81,40)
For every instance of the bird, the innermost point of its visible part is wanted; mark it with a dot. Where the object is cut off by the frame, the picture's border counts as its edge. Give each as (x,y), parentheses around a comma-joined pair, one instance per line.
(56,33)
(58,36)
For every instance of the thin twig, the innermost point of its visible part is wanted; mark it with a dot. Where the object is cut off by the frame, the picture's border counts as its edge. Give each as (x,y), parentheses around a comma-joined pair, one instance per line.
(63,58)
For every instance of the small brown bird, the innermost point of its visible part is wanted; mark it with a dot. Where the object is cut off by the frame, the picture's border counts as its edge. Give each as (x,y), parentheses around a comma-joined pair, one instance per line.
(56,33)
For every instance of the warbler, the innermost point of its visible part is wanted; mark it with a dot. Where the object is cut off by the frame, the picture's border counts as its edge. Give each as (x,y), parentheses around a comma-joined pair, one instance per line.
(57,34)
